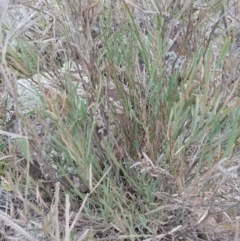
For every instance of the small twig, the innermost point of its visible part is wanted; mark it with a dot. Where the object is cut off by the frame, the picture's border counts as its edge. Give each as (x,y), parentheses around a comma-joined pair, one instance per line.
(55,215)
(67,219)
(12,135)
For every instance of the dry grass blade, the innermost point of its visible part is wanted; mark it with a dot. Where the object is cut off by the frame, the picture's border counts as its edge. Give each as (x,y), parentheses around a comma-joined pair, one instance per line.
(56,212)
(84,235)
(67,218)
(161,236)
(8,220)
(12,135)
(3,8)
(78,213)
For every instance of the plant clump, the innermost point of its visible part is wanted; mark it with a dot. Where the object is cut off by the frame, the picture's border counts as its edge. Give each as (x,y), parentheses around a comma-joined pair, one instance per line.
(119,120)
